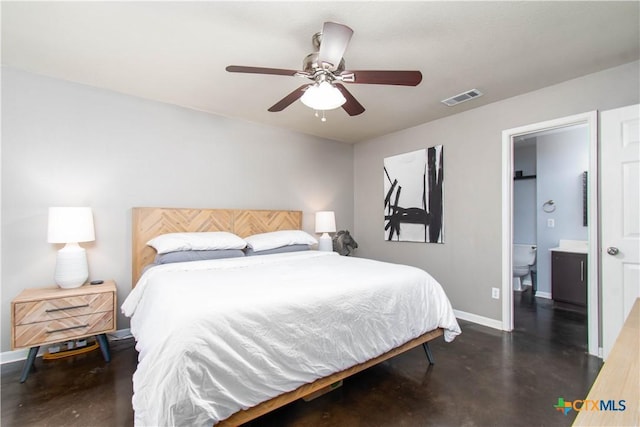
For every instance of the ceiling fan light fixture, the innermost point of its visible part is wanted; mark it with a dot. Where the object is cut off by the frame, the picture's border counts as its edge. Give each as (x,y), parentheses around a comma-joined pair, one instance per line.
(323,96)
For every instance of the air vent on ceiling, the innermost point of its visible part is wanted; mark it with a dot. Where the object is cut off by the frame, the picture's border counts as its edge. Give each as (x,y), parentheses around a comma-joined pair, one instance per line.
(464,96)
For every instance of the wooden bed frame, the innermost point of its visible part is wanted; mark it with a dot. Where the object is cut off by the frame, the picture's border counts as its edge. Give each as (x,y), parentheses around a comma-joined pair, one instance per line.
(148,223)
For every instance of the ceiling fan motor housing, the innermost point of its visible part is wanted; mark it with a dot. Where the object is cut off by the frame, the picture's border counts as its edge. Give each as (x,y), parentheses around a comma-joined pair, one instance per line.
(311,65)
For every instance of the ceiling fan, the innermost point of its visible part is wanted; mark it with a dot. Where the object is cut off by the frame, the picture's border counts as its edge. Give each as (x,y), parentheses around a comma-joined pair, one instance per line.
(326,69)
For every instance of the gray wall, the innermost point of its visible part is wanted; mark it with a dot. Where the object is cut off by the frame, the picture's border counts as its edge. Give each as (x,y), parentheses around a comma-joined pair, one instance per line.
(469,263)
(524,194)
(65,144)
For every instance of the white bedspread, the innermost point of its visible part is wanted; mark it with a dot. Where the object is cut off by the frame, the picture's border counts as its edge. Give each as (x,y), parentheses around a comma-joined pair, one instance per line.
(219,336)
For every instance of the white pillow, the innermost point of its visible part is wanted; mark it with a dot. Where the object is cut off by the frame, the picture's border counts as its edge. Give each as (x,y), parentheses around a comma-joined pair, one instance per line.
(199,241)
(278,239)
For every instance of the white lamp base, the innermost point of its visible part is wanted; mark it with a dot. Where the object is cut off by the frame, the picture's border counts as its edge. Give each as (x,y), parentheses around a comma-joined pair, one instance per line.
(71,266)
(325,243)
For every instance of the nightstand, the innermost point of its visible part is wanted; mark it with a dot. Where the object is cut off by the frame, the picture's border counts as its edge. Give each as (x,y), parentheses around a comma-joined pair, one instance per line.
(42,316)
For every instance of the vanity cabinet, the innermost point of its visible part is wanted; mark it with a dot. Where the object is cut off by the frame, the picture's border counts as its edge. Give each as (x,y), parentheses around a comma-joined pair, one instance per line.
(569,277)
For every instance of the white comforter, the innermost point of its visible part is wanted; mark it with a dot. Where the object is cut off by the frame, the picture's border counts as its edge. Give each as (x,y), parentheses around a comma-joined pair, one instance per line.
(219,336)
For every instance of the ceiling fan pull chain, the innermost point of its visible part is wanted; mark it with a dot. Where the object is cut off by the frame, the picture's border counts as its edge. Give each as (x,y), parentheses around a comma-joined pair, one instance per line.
(317,114)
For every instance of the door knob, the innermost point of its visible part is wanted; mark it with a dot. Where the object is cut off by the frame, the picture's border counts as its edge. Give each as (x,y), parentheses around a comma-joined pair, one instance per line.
(612,250)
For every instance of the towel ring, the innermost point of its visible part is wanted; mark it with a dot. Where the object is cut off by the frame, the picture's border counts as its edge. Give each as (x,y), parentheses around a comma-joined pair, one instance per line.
(549,206)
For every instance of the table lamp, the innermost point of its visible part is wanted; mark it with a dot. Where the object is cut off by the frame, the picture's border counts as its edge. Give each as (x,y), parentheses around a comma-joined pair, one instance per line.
(70,226)
(325,223)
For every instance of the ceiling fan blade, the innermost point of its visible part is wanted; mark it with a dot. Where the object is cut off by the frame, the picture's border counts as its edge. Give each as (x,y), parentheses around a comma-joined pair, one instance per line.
(260,70)
(352,106)
(289,99)
(401,78)
(335,39)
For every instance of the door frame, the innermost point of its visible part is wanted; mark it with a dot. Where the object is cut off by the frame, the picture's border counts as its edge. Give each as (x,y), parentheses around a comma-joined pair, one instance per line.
(508,138)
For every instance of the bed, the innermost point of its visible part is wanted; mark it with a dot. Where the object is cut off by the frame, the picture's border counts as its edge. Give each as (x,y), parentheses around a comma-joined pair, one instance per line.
(224,341)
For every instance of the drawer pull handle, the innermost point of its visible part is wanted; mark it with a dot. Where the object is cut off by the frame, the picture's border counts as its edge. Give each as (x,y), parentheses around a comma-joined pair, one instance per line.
(66,329)
(52,310)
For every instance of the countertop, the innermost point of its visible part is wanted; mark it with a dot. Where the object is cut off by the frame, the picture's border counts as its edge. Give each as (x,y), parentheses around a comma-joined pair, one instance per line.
(574,246)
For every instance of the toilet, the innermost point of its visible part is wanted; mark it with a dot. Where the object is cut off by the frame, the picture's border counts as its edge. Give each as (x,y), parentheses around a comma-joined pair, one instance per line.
(524,257)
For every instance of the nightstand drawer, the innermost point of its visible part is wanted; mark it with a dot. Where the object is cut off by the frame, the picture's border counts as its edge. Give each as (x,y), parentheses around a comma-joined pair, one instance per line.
(60,308)
(63,329)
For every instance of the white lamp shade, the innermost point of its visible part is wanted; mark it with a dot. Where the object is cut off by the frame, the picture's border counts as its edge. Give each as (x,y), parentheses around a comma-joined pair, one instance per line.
(325,222)
(70,225)
(323,96)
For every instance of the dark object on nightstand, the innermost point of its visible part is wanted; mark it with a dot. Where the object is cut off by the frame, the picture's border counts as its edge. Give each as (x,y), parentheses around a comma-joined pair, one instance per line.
(343,243)
(96,282)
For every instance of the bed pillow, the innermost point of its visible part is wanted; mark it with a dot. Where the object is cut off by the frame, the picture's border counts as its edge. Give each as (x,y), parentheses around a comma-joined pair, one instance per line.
(198,241)
(277,239)
(289,248)
(187,256)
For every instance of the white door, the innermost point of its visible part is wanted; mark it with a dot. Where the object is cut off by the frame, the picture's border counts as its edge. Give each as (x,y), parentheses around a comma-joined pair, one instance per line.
(620,218)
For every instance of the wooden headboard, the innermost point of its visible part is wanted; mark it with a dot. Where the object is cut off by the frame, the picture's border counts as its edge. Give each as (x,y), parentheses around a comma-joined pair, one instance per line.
(148,223)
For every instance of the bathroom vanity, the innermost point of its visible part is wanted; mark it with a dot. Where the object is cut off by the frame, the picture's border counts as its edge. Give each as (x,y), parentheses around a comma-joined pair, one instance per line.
(569,272)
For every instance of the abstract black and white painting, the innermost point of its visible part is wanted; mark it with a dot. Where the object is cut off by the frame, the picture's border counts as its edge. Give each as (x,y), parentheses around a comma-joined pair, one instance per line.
(413,196)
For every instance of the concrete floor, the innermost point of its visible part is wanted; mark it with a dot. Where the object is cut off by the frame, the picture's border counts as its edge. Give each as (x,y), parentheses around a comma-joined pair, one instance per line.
(484,378)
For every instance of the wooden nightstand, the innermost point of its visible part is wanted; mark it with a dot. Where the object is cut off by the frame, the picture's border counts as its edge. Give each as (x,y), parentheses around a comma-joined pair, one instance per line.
(49,315)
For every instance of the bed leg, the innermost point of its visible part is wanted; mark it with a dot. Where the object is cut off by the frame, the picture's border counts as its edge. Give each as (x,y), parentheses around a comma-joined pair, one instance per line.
(427,350)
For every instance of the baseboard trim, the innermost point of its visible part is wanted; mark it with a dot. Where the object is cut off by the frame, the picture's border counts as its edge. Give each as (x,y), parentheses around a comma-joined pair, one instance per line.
(120,334)
(541,294)
(481,320)
(19,355)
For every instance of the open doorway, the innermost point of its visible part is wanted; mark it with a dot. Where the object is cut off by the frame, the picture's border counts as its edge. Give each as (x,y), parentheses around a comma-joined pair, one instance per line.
(550,204)
(550,234)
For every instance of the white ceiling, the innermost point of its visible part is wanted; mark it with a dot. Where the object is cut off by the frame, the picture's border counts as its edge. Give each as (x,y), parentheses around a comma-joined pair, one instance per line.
(176,52)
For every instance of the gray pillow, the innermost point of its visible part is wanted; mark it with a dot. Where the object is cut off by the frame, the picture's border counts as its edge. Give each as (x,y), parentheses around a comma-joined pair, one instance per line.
(185,256)
(289,248)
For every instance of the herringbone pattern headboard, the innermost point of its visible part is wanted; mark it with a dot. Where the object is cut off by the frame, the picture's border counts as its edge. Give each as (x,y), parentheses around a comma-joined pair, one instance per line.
(148,223)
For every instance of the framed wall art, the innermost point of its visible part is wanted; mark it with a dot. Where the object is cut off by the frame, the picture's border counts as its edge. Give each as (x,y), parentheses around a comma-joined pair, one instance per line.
(413,196)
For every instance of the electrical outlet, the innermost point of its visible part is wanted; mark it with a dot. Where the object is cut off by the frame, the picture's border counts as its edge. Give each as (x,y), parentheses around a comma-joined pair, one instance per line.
(551,223)
(495,293)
